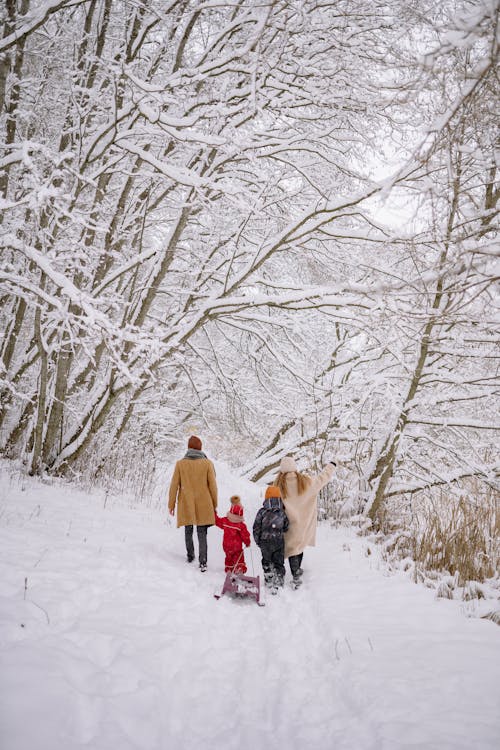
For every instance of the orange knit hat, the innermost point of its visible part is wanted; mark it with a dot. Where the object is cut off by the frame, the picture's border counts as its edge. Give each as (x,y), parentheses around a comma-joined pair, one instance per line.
(272,491)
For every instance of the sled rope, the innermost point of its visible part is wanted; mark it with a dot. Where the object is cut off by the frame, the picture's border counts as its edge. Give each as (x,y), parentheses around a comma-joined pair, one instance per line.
(251,560)
(237,562)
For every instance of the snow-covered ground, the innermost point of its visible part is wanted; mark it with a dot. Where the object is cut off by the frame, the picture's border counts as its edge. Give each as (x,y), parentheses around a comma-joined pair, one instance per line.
(109,640)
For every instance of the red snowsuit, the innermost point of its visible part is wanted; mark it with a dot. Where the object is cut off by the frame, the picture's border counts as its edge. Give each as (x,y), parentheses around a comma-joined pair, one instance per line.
(235,536)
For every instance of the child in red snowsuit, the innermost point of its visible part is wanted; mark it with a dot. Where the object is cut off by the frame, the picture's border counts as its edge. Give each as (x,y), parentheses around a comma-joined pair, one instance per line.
(235,536)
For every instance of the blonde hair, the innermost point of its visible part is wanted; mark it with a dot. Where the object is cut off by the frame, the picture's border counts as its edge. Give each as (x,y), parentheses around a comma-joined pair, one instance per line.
(303,482)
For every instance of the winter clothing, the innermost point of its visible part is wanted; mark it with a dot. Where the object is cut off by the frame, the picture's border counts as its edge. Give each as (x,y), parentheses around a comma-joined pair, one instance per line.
(202,543)
(271,521)
(194,442)
(193,488)
(287,464)
(193,453)
(235,536)
(272,491)
(273,565)
(302,511)
(269,527)
(295,562)
(235,513)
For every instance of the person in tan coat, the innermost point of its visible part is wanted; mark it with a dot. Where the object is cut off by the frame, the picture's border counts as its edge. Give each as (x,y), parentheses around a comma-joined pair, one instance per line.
(193,489)
(299,493)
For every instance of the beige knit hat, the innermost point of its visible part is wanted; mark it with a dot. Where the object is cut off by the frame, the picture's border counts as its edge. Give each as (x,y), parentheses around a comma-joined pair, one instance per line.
(287,464)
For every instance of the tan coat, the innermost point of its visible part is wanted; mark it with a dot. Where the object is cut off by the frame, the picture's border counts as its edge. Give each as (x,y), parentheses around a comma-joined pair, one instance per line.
(194,489)
(302,511)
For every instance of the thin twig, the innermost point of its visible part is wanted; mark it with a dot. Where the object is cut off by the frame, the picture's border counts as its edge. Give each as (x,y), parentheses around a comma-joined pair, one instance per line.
(32,602)
(43,610)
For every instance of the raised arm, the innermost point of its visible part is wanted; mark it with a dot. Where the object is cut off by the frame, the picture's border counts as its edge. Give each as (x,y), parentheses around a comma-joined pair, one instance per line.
(324,476)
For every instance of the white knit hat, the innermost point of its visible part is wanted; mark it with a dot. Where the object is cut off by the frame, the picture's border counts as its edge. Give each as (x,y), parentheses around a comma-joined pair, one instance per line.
(287,464)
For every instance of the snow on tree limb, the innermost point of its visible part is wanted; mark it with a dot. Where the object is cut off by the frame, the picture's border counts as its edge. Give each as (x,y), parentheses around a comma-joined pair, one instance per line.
(59,279)
(202,199)
(35,19)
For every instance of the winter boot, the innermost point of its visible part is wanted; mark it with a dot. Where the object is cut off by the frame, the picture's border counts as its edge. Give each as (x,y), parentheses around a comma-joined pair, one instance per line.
(268,577)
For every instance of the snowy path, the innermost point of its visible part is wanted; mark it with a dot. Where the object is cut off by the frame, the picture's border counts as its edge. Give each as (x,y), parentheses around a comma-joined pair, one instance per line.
(137,654)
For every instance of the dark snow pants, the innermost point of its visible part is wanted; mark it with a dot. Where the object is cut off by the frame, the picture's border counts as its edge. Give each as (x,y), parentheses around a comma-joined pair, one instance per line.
(295,562)
(202,543)
(273,563)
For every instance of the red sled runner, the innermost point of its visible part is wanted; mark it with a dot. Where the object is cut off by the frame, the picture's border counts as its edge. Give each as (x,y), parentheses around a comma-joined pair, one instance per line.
(241,586)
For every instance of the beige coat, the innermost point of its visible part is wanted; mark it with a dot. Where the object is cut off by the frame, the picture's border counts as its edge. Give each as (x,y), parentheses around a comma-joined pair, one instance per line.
(194,489)
(302,511)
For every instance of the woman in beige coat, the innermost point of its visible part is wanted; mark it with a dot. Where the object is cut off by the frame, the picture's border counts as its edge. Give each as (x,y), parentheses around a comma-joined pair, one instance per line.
(194,490)
(299,493)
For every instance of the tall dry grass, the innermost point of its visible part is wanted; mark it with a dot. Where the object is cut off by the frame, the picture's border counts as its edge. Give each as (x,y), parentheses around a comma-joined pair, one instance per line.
(458,535)
(448,541)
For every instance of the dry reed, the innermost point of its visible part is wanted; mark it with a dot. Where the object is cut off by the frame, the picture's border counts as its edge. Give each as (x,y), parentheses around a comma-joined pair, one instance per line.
(459,536)
(450,541)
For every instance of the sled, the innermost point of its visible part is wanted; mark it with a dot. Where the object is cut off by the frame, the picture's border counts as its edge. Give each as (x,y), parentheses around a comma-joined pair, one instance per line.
(240,587)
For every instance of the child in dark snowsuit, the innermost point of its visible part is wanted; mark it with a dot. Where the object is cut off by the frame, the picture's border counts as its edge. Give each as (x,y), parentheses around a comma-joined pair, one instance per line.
(235,536)
(269,528)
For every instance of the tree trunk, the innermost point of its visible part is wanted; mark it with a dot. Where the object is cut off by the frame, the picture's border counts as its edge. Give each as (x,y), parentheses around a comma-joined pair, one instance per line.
(36,457)
(15,91)
(387,461)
